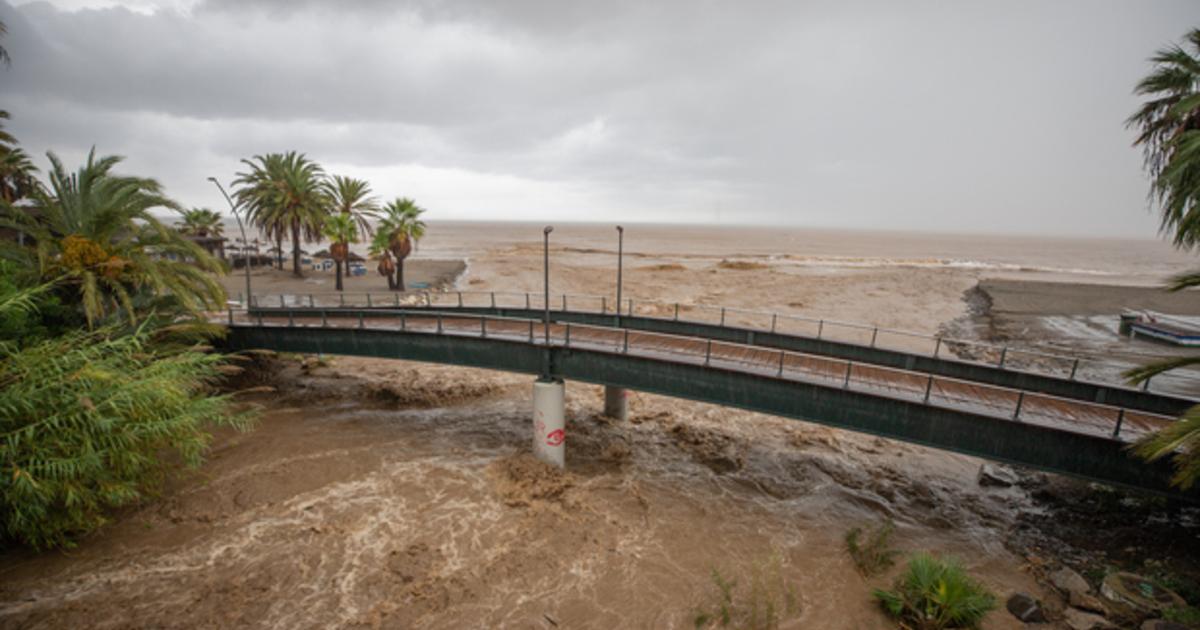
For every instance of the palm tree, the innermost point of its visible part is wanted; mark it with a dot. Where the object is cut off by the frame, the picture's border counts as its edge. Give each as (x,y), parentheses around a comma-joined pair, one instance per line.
(4,58)
(341,230)
(380,246)
(1168,126)
(284,193)
(403,227)
(352,198)
(18,175)
(94,233)
(200,222)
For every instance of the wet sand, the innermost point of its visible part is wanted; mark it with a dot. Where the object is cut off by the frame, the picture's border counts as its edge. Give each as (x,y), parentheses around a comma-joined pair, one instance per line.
(419,274)
(1024,297)
(396,495)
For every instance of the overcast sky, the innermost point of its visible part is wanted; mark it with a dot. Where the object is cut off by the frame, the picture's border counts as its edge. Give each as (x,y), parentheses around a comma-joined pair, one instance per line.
(997,116)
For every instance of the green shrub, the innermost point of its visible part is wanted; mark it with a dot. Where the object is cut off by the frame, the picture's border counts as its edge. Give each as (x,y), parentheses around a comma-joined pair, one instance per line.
(769,600)
(85,421)
(933,594)
(874,554)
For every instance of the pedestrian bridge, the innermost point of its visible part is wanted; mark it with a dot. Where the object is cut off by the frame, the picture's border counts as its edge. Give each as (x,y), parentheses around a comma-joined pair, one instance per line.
(1001,409)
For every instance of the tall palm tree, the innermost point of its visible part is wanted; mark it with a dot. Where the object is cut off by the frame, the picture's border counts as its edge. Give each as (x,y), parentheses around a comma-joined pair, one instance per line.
(94,233)
(403,227)
(352,198)
(18,175)
(341,230)
(284,193)
(1168,126)
(200,222)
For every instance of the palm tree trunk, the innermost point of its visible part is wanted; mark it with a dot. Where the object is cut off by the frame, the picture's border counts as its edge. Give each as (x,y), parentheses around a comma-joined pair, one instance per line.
(399,275)
(279,250)
(338,264)
(296,271)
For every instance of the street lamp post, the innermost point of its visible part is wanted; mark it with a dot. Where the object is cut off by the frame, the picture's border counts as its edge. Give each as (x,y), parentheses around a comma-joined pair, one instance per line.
(242,229)
(546,283)
(620,261)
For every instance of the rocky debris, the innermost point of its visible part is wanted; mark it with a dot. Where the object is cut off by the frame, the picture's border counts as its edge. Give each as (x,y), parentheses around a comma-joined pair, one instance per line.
(1162,624)
(1069,582)
(1079,620)
(1139,593)
(1086,602)
(1024,607)
(997,476)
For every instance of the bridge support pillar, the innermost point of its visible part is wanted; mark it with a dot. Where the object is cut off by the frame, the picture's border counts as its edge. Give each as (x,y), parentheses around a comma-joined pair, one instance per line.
(616,402)
(549,421)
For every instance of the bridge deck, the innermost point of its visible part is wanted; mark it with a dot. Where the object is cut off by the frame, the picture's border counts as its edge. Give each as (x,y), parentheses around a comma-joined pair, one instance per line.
(998,402)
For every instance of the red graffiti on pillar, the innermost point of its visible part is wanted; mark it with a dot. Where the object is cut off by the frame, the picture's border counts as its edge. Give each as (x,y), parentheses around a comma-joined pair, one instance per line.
(556,437)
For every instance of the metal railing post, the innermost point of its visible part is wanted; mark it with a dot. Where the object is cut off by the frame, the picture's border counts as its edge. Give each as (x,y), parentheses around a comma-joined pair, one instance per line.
(403,322)
(291,321)
(260,319)
(1120,420)
(1146,384)
(1074,368)
(928,390)
(676,309)
(341,299)
(310,301)
(782,354)
(937,347)
(361,324)
(567,343)
(439,323)
(230,315)
(460,302)
(428,300)
(527,302)
(774,318)
(369,300)
(281,304)
(1003,356)
(846,383)
(483,327)
(874,336)
(324,319)
(708,352)
(493,300)
(395,299)
(626,350)
(630,307)
(820,327)
(564,308)
(603,305)
(722,315)
(1020,401)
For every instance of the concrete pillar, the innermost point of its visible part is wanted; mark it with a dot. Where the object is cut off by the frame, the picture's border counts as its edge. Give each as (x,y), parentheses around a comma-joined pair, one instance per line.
(616,402)
(549,421)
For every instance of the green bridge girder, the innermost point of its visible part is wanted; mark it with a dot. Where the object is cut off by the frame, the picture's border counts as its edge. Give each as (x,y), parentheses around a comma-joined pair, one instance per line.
(1075,389)
(1053,450)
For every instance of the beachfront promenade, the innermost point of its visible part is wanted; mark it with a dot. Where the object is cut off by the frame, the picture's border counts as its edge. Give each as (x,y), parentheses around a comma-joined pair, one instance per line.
(1025,408)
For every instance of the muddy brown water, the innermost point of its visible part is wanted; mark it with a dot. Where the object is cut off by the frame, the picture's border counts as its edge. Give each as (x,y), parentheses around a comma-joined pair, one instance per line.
(386,494)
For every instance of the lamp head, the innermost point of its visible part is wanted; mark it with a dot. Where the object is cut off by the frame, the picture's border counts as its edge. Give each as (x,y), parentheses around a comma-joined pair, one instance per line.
(620,229)
(548,230)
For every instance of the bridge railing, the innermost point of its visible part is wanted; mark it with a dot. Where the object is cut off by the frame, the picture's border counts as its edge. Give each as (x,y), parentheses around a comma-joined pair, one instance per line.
(927,389)
(1100,371)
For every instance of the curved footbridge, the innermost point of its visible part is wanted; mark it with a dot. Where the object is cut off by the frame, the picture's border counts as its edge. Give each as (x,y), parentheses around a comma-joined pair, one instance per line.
(1057,423)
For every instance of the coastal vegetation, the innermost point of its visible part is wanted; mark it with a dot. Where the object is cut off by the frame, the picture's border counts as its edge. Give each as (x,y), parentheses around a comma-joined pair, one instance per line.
(871,549)
(763,603)
(1168,126)
(284,195)
(106,378)
(401,227)
(352,207)
(936,594)
(200,222)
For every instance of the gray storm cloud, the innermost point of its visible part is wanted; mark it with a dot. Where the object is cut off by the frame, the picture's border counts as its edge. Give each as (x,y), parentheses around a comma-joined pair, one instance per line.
(963,116)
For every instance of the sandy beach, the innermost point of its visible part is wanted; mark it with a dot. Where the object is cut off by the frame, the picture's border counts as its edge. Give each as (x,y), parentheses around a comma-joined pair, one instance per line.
(387,494)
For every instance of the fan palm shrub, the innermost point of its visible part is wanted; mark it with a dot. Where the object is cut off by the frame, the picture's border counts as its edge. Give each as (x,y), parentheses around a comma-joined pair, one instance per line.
(935,594)
(341,230)
(200,222)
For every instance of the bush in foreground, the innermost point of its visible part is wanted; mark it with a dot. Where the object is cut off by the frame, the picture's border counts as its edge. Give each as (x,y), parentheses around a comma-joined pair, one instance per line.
(86,419)
(764,604)
(935,594)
